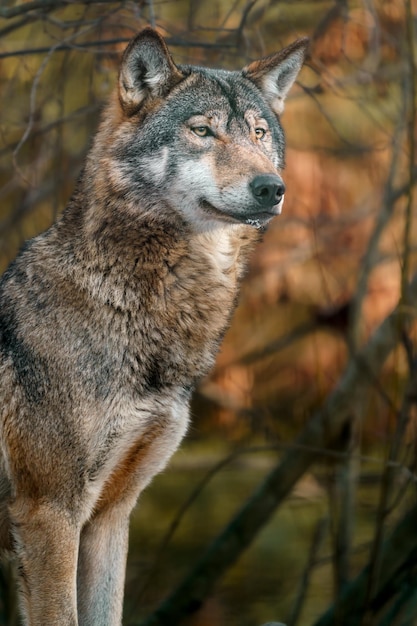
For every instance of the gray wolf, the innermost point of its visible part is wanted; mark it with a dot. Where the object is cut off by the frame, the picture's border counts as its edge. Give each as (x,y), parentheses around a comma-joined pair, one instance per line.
(110,318)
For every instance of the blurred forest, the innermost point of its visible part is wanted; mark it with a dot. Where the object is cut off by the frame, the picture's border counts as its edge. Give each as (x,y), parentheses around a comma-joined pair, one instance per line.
(294,496)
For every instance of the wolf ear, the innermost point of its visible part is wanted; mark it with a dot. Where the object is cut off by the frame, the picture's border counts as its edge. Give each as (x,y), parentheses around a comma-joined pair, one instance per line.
(147,69)
(275,74)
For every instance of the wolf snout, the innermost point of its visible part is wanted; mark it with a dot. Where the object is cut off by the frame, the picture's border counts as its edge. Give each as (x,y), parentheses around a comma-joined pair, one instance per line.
(267,189)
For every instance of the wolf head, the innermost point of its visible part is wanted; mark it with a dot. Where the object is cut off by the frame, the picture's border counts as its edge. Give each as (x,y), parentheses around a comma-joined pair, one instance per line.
(207,144)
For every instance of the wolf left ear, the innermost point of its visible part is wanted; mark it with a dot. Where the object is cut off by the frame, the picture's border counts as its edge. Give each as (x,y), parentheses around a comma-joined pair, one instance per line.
(147,70)
(275,74)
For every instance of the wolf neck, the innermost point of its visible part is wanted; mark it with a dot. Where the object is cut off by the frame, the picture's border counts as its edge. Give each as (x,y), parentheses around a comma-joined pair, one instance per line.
(172,290)
(128,243)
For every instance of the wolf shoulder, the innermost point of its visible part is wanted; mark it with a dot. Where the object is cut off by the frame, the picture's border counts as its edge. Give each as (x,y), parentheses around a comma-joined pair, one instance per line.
(159,311)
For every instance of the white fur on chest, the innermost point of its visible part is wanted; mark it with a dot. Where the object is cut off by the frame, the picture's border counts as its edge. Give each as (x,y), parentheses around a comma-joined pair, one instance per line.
(220,247)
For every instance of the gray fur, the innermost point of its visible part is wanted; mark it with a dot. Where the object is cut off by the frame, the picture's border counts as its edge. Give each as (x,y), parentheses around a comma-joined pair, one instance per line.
(111,317)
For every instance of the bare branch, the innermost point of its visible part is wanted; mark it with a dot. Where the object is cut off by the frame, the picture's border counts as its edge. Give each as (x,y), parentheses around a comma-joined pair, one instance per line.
(33,94)
(411,144)
(371,255)
(316,544)
(325,430)
(187,504)
(44,5)
(398,553)
(101,43)
(343,511)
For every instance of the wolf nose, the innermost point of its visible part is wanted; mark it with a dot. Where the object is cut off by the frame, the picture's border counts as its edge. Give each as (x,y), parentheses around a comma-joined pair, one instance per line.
(267,189)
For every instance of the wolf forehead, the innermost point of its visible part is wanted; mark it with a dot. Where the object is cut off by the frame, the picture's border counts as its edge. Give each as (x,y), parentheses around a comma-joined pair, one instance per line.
(213,93)
(217,87)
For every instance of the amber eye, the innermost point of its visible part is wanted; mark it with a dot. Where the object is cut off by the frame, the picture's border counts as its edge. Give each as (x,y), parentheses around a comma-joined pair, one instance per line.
(260,133)
(201,131)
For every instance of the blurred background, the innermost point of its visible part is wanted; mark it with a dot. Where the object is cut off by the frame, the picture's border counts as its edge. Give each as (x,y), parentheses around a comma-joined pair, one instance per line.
(293,497)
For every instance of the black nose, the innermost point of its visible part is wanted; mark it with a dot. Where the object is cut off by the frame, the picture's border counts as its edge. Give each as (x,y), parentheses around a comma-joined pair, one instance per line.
(267,189)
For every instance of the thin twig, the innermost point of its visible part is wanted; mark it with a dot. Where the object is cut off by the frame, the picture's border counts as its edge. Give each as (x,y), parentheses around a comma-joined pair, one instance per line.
(33,93)
(411,147)
(369,261)
(398,554)
(44,5)
(100,43)
(316,544)
(344,511)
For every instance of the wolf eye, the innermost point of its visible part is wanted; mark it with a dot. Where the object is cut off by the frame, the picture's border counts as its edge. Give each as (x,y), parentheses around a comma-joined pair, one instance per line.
(201,131)
(260,133)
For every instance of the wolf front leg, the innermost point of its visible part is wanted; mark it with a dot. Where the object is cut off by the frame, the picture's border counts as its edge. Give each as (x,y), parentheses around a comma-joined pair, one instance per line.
(46,543)
(101,567)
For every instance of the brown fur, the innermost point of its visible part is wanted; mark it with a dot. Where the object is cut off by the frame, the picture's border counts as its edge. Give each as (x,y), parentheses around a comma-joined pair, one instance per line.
(110,318)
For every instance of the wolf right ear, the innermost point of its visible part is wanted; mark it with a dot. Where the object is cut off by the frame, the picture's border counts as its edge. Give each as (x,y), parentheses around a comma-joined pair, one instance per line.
(275,74)
(147,69)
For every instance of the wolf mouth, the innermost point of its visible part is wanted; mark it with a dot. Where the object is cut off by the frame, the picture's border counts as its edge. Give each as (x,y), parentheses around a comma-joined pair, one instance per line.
(257,219)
